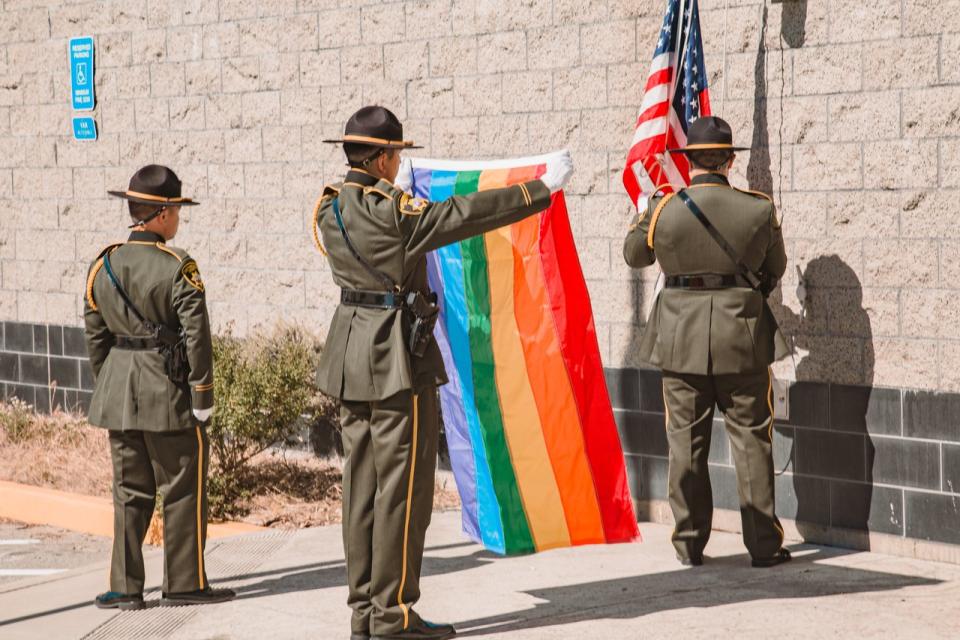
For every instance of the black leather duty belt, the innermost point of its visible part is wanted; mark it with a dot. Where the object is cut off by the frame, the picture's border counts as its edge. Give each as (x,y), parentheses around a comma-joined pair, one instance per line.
(371,299)
(707,281)
(137,344)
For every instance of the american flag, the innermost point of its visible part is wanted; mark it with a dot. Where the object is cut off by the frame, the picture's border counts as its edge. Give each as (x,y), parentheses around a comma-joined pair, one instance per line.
(670,104)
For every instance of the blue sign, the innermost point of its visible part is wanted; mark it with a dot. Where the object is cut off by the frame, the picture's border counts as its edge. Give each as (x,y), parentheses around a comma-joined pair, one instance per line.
(84,128)
(81,74)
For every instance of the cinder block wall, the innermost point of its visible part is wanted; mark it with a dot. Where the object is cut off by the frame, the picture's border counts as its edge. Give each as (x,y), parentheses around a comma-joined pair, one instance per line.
(853,109)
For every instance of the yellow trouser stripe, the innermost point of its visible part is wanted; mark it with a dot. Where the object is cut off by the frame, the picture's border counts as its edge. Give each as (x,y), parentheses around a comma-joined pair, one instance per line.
(200,506)
(770,434)
(406,523)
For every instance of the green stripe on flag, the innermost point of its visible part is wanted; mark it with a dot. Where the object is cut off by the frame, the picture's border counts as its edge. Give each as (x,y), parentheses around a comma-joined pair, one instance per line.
(516,531)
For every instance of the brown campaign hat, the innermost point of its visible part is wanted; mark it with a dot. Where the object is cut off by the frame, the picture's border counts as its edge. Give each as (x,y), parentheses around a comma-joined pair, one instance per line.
(155,184)
(709,133)
(376,127)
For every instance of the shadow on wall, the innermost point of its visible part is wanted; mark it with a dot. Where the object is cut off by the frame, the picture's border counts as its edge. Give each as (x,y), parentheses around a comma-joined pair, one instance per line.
(834,341)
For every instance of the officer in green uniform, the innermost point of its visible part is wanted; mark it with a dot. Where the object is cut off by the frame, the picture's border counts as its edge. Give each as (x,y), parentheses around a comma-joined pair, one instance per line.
(386,377)
(714,337)
(152,358)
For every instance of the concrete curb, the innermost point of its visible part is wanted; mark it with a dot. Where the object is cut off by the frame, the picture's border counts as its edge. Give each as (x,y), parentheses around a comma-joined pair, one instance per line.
(86,514)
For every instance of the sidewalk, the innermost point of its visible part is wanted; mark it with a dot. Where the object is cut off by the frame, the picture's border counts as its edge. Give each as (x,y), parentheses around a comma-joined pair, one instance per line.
(291,585)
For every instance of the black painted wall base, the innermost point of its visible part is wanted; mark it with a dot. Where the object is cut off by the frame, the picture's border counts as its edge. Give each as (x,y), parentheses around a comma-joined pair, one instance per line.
(853,458)
(45,366)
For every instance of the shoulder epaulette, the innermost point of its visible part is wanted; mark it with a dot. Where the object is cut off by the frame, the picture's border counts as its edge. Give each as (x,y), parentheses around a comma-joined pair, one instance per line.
(173,252)
(659,191)
(378,191)
(758,194)
(94,270)
(330,190)
(656,217)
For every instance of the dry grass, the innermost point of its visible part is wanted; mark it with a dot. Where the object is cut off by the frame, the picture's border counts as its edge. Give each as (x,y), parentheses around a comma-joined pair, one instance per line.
(59,451)
(63,452)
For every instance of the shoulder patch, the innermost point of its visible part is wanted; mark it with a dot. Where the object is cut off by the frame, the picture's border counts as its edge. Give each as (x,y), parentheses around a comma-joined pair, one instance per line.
(758,194)
(191,273)
(410,206)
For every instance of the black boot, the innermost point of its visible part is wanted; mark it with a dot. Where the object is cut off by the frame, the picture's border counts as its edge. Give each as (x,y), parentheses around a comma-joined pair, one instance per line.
(781,556)
(423,630)
(201,596)
(122,601)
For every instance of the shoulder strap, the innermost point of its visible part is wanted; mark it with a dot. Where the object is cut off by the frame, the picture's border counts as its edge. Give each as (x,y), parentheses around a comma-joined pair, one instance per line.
(163,333)
(743,269)
(386,280)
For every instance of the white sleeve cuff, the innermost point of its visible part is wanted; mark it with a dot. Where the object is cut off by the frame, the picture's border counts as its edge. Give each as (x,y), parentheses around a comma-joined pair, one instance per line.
(203,414)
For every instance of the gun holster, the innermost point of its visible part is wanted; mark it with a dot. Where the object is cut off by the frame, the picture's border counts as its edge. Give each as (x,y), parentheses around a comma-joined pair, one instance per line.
(173,348)
(425,313)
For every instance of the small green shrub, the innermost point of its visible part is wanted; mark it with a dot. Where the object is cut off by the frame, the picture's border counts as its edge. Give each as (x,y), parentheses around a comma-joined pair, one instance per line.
(264,389)
(16,418)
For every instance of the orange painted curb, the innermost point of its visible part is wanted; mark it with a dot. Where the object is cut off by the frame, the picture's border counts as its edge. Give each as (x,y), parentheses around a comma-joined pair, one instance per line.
(86,514)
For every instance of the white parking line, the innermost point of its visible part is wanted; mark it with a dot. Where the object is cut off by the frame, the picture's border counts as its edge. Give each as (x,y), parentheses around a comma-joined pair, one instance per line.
(18,541)
(4,573)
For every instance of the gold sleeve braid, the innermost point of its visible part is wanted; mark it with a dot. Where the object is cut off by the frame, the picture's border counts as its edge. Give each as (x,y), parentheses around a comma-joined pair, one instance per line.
(316,226)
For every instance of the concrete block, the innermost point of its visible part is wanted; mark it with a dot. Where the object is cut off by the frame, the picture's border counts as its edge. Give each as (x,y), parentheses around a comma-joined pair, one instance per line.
(184,43)
(901,63)
(910,164)
(320,68)
(502,52)
(453,56)
(221,40)
(261,108)
(894,263)
(933,112)
(928,17)
(430,98)
(930,313)
(167,79)
(527,91)
(903,362)
(507,135)
(339,28)
(856,21)
(862,214)
(243,145)
(553,47)
(579,88)
(609,42)
(865,116)
(406,61)
(202,77)
(455,137)
(382,23)
(361,64)
(187,113)
(832,69)
(478,95)
(827,166)
(240,74)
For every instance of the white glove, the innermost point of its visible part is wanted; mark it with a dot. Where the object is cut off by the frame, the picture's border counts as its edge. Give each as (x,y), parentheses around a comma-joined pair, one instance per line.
(404,176)
(203,414)
(558,172)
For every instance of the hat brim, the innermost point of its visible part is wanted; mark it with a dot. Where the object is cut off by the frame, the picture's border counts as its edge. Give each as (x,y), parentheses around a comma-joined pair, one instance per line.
(376,142)
(708,147)
(160,202)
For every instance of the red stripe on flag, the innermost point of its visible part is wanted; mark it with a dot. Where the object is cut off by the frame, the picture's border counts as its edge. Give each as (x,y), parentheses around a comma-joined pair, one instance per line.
(570,307)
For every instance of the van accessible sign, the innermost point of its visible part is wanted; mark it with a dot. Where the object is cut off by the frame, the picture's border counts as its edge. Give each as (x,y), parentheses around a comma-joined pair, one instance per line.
(81,74)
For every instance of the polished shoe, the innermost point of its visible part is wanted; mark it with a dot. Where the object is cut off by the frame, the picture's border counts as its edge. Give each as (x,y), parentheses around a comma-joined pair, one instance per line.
(359,636)
(201,596)
(122,601)
(692,561)
(422,631)
(781,556)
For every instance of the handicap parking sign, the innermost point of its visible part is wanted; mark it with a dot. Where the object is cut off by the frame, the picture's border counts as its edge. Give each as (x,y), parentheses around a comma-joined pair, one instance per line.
(84,128)
(81,74)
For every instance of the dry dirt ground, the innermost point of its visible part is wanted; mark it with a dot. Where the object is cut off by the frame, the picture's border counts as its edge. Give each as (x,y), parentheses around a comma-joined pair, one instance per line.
(286,489)
(48,548)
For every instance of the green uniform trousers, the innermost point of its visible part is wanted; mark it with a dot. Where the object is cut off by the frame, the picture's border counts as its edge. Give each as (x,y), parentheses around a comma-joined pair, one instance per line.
(746,403)
(173,463)
(390,449)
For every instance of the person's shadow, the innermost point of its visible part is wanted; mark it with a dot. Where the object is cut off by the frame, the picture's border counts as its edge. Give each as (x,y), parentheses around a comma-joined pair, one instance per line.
(831,453)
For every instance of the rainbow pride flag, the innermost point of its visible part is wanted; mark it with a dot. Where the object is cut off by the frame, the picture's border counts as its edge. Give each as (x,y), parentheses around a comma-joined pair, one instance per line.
(530,429)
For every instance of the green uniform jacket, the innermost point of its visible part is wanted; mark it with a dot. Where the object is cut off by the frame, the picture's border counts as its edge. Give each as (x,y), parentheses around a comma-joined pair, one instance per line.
(365,357)
(132,390)
(724,331)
